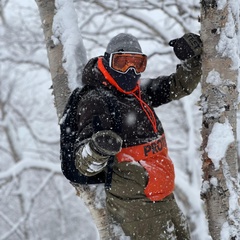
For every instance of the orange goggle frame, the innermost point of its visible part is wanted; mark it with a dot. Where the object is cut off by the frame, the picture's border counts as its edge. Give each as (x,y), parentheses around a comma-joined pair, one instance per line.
(123,61)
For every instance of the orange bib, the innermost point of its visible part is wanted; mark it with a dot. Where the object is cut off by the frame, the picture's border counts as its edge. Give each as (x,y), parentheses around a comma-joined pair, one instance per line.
(153,156)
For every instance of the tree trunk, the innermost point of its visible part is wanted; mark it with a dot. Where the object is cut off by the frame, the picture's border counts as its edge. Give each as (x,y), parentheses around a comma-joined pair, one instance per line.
(219,29)
(61,93)
(61,90)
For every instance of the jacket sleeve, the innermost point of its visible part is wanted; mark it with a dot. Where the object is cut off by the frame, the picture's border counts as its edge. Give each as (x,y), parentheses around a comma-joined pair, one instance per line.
(164,89)
(93,117)
(186,78)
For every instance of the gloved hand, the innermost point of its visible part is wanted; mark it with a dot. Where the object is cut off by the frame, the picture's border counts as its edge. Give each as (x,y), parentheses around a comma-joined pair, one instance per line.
(106,143)
(187,47)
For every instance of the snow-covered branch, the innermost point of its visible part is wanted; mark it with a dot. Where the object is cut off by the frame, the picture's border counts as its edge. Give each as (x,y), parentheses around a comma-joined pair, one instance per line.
(24,165)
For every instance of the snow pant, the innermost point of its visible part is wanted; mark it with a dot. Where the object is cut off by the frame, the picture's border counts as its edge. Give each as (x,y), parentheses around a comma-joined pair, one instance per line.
(146,220)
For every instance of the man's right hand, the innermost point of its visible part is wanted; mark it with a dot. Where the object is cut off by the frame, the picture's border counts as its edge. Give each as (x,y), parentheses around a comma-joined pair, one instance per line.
(93,156)
(106,143)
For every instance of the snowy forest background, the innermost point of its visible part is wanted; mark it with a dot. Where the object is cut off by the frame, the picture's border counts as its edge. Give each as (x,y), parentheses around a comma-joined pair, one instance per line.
(36,201)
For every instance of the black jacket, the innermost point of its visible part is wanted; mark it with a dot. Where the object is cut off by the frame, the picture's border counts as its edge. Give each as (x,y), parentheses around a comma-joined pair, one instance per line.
(135,126)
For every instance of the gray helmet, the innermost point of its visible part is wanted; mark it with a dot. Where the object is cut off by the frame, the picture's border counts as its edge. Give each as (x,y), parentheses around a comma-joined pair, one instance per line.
(124,42)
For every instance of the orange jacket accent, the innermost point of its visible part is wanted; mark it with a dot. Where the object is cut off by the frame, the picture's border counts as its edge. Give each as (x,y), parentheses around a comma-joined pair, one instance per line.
(153,156)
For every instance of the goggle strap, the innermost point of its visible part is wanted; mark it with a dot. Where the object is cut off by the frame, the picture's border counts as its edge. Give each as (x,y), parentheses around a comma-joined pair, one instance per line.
(107,56)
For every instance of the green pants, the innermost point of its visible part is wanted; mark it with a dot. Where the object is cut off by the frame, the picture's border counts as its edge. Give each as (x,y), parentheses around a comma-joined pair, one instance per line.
(145,220)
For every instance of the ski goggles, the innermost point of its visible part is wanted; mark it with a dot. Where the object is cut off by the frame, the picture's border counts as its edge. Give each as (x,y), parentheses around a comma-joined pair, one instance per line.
(123,61)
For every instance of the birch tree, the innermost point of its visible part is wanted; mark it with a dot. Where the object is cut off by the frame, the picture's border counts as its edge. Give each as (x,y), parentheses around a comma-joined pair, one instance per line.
(61,78)
(220,36)
(34,196)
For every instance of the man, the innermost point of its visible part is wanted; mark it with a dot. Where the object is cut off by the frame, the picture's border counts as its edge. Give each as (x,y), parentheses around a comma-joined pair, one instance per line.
(141,196)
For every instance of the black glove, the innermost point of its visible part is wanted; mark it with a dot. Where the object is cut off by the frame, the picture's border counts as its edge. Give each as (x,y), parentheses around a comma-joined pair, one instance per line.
(106,143)
(187,47)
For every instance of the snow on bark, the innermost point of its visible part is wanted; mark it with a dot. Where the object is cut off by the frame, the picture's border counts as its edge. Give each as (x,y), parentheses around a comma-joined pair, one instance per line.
(59,76)
(65,28)
(218,141)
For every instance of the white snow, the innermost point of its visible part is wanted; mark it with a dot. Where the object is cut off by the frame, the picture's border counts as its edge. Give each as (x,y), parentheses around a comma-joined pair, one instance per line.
(205,186)
(232,183)
(221,4)
(131,119)
(18,168)
(65,27)
(218,142)
(214,181)
(214,78)
(228,43)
